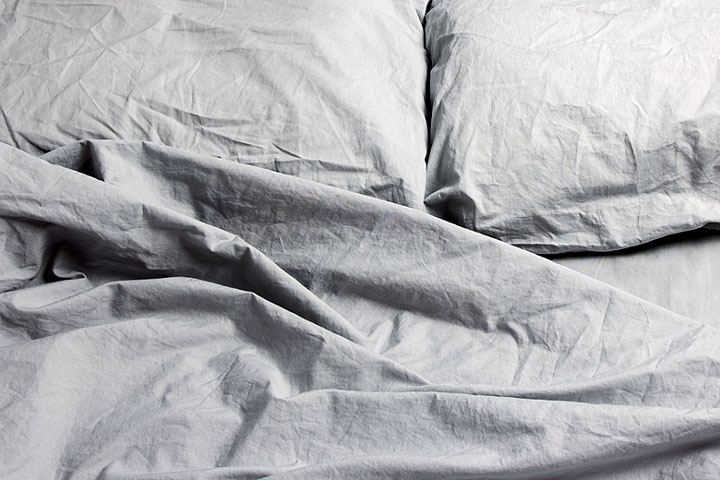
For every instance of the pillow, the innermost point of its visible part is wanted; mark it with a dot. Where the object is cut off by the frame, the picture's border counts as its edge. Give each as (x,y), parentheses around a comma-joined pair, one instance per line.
(329,90)
(561,125)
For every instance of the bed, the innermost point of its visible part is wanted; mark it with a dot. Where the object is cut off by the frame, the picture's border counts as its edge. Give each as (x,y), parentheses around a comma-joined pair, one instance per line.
(382,239)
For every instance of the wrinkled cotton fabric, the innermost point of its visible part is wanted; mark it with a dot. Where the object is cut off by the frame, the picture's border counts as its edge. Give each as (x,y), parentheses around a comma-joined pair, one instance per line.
(305,87)
(574,125)
(167,314)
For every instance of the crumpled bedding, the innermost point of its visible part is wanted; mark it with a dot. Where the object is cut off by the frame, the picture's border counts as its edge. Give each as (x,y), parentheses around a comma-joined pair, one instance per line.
(167,315)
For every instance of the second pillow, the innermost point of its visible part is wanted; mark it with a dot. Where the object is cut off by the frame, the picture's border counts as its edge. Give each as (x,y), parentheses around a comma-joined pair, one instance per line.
(562,125)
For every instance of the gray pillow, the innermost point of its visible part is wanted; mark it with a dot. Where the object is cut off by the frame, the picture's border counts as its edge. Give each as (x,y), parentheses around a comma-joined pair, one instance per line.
(329,90)
(561,125)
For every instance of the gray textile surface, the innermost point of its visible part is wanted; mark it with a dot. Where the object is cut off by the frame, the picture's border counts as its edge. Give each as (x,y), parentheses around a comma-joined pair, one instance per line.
(178,316)
(567,125)
(679,273)
(311,88)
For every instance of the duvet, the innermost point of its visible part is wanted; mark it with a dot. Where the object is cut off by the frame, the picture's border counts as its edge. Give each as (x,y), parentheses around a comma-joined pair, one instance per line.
(235,244)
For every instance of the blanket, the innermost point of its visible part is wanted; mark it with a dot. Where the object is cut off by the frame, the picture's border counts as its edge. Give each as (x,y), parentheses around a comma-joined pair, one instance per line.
(170,315)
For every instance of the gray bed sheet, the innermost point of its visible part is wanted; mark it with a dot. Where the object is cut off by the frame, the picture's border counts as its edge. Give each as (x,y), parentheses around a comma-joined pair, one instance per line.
(680,273)
(169,315)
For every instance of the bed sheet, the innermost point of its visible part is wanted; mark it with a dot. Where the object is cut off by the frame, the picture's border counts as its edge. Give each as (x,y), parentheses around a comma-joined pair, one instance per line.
(681,272)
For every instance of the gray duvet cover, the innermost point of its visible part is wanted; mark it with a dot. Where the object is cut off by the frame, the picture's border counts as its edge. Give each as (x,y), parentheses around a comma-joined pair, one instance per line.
(168,315)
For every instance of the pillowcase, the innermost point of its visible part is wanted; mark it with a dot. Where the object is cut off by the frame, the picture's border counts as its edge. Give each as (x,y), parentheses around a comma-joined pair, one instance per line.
(561,125)
(329,90)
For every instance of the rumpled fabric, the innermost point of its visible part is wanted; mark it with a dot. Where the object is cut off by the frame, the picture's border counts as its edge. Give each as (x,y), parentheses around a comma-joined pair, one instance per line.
(170,315)
(575,125)
(328,90)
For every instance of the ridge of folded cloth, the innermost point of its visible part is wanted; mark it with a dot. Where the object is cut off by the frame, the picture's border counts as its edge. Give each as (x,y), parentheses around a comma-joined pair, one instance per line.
(166,314)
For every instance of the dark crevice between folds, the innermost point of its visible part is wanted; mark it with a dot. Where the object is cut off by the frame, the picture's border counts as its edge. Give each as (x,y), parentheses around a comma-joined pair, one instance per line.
(429,66)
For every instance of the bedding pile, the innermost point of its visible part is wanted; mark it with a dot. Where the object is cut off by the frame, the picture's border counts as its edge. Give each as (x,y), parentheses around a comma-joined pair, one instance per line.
(242,239)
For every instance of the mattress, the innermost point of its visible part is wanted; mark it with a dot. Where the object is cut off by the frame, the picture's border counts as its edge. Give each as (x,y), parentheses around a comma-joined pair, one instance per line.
(386,239)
